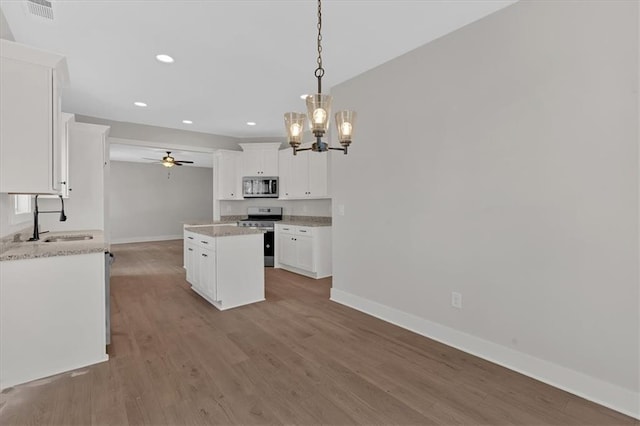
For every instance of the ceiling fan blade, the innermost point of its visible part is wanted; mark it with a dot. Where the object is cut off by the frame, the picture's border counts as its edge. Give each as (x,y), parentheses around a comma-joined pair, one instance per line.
(152,159)
(177,164)
(185,162)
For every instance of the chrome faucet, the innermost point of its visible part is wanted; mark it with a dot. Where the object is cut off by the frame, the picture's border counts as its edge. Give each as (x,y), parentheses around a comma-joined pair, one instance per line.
(36,232)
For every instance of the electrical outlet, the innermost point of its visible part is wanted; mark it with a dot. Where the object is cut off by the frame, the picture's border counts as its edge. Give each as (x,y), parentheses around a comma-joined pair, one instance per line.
(341,209)
(456,300)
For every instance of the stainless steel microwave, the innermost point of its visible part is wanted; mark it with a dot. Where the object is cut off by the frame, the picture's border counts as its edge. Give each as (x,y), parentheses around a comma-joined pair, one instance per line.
(260,187)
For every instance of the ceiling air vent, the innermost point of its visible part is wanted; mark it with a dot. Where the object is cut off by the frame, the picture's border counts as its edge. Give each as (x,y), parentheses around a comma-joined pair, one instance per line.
(40,8)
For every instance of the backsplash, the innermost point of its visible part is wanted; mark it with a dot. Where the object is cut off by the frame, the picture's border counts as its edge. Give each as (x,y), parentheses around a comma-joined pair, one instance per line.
(289,207)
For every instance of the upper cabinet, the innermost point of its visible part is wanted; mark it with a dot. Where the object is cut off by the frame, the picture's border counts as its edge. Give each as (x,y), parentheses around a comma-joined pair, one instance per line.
(304,175)
(31,148)
(260,159)
(228,182)
(66,123)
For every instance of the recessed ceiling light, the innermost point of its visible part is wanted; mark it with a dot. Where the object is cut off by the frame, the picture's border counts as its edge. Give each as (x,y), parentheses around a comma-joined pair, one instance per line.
(140,104)
(165,58)
(251,123)
(187,121)
(303,97)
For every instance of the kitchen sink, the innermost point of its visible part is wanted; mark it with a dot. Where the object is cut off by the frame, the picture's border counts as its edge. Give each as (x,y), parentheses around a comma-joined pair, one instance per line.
(64,238)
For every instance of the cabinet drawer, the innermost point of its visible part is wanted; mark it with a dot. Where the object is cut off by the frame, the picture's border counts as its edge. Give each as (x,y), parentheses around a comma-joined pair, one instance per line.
(287,229)
(200,240)
(304,230)
(205,242)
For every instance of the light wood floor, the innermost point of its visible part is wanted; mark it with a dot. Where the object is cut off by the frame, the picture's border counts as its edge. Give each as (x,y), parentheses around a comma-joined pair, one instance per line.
(295,359)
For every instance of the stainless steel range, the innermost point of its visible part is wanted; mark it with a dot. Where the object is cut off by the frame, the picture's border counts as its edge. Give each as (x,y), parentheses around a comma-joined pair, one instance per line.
(264,218)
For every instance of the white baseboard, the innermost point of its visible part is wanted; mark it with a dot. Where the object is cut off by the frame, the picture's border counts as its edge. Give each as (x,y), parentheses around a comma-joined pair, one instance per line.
(146,239)
(604,393)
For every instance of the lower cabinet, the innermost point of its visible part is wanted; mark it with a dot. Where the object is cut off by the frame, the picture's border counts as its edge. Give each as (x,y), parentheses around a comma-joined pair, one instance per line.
(226,271)
(52,316)
(305,250)
(207,273)
(200,263)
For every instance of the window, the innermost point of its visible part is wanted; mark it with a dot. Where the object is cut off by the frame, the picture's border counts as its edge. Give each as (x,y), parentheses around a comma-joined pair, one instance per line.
(22,204)
(22,208)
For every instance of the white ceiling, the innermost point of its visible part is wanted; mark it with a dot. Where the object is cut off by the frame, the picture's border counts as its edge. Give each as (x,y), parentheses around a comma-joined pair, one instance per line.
(236,61)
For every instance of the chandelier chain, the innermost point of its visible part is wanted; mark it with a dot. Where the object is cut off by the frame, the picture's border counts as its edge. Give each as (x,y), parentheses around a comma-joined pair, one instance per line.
(319,71)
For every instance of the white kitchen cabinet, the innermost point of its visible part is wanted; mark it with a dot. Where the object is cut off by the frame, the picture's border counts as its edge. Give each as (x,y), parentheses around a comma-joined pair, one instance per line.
(200,263)
(228,178)
(303,176)
(66,123)
(190,258)
(260,159)
(305,253)
(30,135)
(207,273)
(52,316)
(226,271)
(87,206)
(286,246)
(305,250)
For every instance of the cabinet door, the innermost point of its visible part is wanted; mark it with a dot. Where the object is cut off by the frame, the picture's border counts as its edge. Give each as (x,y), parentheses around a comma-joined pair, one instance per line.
(287,249)
(252,162)
(191,262)
(26,127)
(317,173)
(284,172)
(228,176)
(304,253)
(66,121)
(207,272)
(300,175)
(269,162)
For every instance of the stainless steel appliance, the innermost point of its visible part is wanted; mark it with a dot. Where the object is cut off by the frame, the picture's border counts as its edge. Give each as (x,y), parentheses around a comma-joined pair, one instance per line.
(264,218)
(260,187)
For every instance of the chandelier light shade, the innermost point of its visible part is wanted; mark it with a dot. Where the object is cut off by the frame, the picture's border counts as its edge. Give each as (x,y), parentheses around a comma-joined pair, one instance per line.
(294,122)
(319,113)
(319,109)
(345,122)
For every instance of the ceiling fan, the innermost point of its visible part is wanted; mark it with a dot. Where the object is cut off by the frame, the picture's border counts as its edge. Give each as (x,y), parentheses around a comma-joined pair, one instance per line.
(169,161)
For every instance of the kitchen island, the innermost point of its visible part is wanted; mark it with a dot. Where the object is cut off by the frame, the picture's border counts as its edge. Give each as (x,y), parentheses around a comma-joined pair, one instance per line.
(225,264)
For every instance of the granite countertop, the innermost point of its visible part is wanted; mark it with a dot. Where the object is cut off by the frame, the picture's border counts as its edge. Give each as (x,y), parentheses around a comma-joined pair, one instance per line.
(305,221)
(223,221)
(286,220)
(223,231)
(17,250)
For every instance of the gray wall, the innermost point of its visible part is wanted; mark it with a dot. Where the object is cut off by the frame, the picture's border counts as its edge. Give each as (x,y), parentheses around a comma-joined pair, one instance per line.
(146,206)
(508,151)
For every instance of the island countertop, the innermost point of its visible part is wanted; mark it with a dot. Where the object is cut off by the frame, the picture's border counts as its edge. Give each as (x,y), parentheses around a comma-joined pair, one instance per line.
(36,249)
(223,220)
(223,231)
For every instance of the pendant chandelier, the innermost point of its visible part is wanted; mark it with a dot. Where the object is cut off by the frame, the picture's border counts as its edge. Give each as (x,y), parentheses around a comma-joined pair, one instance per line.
(319,110)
